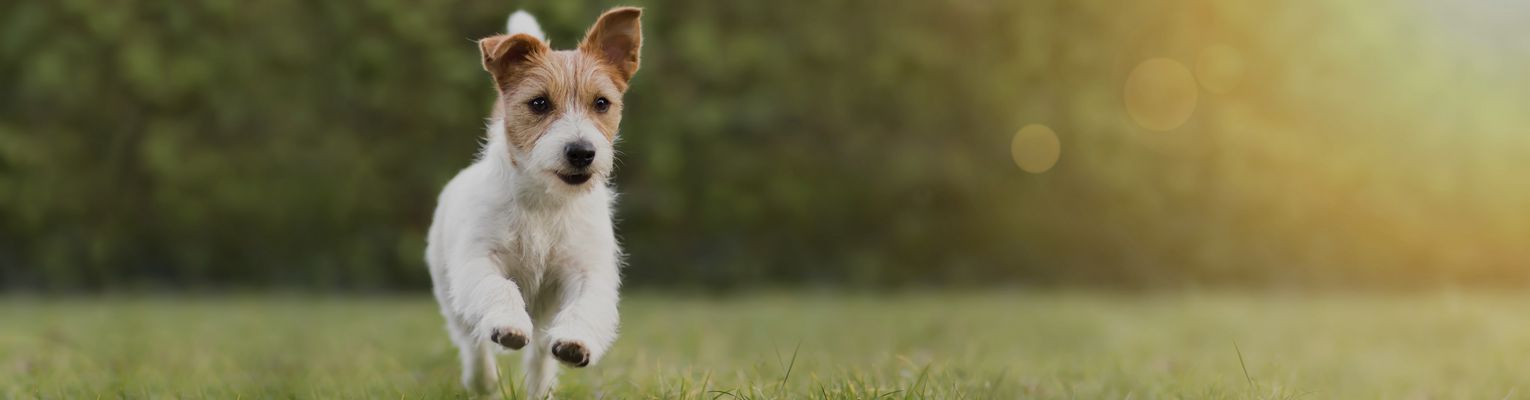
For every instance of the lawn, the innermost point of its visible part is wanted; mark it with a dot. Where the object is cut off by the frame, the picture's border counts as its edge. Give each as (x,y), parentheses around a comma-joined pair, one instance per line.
(1044,345)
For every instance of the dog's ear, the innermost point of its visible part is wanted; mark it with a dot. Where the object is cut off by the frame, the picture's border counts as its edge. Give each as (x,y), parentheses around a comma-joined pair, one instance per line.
(504,55)
(616,39)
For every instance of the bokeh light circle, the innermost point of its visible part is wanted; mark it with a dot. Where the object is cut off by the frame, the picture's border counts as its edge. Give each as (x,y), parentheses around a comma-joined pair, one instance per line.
(1219,69)
(1161,94)
(1035,148)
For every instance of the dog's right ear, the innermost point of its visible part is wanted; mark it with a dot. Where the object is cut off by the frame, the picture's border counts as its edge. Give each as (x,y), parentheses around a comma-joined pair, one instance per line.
(505,55)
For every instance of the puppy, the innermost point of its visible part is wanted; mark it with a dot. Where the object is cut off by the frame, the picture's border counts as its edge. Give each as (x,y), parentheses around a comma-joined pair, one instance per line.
(521,250)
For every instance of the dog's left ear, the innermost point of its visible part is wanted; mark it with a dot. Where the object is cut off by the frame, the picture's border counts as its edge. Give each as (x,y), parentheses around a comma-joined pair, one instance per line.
(616,39)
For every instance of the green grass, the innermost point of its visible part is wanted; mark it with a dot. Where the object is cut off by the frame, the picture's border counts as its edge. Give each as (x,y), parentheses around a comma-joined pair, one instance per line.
(1036,345)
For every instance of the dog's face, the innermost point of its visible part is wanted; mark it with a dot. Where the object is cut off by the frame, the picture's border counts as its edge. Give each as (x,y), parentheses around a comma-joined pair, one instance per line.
(561,109)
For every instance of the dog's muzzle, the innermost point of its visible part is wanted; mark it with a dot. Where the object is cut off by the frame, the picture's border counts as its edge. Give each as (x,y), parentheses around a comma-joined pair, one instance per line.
(579,155)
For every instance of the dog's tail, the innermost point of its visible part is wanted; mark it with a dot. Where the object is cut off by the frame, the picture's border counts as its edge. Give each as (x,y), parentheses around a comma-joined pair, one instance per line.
(522,22)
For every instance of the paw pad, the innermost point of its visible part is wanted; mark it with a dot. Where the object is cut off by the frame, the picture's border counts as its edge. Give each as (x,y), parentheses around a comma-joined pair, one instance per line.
(573,353)
(511,338)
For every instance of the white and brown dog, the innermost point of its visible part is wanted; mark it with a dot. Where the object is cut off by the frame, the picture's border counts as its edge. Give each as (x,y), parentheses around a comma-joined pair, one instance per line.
(522,250)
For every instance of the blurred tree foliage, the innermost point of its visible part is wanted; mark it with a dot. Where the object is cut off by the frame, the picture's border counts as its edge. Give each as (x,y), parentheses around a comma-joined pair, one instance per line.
(297,143)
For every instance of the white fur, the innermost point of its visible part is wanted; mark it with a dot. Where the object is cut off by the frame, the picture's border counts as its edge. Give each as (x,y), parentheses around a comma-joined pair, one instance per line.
(523,22)
(512,246)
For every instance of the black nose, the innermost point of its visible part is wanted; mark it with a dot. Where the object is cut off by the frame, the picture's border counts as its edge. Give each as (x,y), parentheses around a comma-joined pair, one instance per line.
(580,154)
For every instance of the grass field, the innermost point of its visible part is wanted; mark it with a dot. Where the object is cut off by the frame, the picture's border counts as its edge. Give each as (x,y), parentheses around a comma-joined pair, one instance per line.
(996,345)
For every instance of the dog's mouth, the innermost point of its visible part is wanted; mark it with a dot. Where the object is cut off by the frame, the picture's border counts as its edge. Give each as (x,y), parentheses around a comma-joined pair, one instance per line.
(577,178)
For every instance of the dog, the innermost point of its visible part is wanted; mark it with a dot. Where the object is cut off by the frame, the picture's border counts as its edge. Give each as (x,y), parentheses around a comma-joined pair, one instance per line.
(522,251)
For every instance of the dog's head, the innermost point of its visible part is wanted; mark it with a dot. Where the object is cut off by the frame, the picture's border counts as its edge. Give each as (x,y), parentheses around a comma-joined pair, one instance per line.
(561,108)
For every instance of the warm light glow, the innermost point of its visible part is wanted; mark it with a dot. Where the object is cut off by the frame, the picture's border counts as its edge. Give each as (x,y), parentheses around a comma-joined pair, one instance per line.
(1035,148)
(1160,94)
(1219,69)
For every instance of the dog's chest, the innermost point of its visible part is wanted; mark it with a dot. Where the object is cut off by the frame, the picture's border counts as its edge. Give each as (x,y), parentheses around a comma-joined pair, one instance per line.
(532,256)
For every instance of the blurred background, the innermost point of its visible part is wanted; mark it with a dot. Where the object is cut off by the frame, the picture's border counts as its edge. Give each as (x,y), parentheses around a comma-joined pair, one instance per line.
(300,145)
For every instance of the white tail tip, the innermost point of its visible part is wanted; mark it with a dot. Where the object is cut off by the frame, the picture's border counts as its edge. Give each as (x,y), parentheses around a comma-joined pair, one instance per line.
(522,22)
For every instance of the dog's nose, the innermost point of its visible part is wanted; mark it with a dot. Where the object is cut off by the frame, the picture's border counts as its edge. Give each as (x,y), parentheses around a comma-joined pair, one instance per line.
(579,154)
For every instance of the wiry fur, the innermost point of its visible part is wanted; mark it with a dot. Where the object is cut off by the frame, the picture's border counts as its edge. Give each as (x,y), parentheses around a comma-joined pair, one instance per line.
(518,255)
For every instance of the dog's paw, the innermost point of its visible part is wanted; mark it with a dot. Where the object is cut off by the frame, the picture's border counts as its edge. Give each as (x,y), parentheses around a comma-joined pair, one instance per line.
(507,331)
(571,352)
(511,338)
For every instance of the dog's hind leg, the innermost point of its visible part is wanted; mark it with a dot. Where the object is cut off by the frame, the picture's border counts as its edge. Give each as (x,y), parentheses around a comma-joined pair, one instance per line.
(541,370)
(479,372)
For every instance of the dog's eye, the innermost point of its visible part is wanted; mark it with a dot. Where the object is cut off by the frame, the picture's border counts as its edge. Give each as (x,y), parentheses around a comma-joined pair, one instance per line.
(601,104)
(539,105)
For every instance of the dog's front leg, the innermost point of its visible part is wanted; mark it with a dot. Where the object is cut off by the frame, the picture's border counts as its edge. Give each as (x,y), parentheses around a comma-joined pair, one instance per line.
(489,300)
(585,326)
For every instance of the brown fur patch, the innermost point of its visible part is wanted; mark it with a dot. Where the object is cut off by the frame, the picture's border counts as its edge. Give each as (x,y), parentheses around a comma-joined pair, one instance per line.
(524,68)
(571,81)
(617,39)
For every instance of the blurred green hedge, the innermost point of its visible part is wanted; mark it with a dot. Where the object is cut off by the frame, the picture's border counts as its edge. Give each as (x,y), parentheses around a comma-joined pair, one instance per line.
(301,144)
